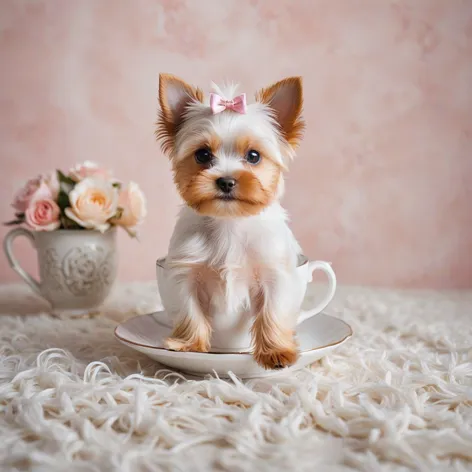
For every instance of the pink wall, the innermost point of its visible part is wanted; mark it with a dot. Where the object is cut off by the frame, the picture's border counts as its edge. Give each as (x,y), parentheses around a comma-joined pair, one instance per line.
(383,182)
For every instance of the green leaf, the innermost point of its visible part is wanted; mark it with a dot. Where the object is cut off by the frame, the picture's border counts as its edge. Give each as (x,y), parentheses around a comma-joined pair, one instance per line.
(19,218)
(63,178)
(14,222)
(66,183)
(131,233)
(67,223)
(116,185)
(119,213)
(63,200)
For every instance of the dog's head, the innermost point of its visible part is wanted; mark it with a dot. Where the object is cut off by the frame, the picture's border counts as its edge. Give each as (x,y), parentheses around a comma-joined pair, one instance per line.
(229,157)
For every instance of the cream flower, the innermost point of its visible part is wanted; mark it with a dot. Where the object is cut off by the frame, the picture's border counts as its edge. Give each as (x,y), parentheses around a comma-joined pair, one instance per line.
(131,206)
(89,169)
(93,202)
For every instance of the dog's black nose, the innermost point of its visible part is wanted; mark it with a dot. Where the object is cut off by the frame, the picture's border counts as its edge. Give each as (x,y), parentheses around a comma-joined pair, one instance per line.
(226,184)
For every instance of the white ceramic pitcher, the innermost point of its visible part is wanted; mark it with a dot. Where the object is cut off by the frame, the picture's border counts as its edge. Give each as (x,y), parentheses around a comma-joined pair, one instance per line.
(77,267)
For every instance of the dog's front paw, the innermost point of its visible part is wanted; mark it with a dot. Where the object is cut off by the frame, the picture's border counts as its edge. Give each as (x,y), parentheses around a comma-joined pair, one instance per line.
(183,345)
(276,358)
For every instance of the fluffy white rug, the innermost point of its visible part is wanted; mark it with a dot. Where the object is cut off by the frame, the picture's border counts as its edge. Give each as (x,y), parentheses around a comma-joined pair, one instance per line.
(397,397)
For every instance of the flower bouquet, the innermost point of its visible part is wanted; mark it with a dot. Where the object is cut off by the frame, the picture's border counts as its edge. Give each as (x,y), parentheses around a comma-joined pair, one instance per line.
(87,197)
(70,219)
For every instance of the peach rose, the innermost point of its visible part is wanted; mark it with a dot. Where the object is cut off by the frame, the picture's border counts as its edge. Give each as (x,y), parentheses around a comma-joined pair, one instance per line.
(43,213)
(24,196)
(132,204)
(88,169)
(93,202)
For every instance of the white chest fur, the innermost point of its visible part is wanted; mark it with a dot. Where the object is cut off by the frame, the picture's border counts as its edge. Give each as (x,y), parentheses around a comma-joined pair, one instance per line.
(264,239)
(238,250)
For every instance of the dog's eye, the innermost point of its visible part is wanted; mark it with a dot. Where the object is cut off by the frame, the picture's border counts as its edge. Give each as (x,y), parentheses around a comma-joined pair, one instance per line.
(203,156)
(253,157)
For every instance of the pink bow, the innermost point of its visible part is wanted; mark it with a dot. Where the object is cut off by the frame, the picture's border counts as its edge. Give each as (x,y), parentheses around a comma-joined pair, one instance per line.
(219,104)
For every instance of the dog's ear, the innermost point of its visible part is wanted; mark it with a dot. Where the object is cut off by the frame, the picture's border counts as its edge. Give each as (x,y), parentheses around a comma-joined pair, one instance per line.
(174,97)
(285,99)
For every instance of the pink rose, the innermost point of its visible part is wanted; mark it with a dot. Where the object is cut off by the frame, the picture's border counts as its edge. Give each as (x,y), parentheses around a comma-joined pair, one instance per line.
(24,196)
(43,213)
(89,169)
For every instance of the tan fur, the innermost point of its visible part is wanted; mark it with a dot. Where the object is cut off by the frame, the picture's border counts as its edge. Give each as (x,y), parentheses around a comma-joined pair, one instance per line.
(274,346)
(193,182)
(167,124)
(246,142)
(213,143)
(254,191)
(193,333)
(291,124)
(189,175)
(256,185)
(187,171)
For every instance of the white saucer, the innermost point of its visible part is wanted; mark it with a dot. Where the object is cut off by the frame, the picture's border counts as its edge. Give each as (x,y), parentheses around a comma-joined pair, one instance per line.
(317,336)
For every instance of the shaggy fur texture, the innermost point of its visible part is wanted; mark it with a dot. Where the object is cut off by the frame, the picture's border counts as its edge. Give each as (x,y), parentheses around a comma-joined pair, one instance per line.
(396,397)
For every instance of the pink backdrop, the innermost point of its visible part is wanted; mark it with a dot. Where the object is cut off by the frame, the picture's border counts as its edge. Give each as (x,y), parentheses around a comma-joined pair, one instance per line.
(383,181)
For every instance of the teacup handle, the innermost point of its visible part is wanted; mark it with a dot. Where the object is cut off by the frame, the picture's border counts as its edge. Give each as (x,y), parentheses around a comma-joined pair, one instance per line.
(12,260)
(326,268)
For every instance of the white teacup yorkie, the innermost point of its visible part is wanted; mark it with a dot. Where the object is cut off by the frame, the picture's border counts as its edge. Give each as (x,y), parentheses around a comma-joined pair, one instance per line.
(232,250)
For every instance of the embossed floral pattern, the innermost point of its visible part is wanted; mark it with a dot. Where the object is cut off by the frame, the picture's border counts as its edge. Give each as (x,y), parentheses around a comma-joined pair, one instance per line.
(87,269)
(52,270)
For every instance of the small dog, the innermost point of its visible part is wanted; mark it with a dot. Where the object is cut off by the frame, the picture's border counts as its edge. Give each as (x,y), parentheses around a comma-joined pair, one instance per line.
(232,249)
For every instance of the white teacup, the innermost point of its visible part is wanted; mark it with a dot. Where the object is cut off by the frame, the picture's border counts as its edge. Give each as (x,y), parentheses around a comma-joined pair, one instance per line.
(232,333)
